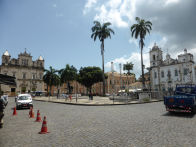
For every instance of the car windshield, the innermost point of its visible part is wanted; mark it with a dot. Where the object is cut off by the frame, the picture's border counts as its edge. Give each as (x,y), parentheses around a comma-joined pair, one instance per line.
(23,97)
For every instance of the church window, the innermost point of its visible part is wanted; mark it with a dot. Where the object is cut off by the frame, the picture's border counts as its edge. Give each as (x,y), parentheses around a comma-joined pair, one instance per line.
(185,71)
(6,60)
(162,74)
(24,76)
(153,57)
(169,73)
(155,75)
(33,76)
(176,72)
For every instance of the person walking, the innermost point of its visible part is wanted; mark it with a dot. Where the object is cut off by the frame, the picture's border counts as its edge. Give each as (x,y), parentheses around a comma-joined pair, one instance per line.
(2,107)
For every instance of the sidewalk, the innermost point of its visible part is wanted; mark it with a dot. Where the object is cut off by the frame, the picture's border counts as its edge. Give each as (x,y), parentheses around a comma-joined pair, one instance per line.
(84,100)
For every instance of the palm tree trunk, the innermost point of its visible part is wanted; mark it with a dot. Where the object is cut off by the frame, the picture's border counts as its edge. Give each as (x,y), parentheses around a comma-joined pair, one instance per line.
(102,53)
(143,83)
(47,89)
(50,94)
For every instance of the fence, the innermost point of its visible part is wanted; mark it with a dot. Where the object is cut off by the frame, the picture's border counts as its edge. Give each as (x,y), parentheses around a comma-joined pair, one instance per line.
(127,97)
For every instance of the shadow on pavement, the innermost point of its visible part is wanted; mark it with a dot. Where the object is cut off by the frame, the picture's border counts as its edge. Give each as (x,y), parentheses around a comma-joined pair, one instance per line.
(179,114)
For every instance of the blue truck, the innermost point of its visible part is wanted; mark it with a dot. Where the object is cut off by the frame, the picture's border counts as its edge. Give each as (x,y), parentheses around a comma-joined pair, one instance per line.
(183,100)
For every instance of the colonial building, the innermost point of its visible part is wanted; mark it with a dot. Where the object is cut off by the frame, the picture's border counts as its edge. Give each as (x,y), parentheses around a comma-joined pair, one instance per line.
(28,73)
(138,84)
(114,83)
(165,74)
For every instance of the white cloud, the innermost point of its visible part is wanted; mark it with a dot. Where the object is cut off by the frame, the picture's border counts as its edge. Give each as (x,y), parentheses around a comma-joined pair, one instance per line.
(167,2)
(54,5)
(112,16)
(89,4)
(135,58)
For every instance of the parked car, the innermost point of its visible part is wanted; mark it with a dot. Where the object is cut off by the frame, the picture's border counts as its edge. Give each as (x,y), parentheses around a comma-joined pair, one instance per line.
(5,98)
(24,101)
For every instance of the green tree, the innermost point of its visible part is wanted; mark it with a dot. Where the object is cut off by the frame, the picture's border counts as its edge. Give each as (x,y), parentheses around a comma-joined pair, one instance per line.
(68,74)
(51,78)
(128,67)
(90,75)
(102,31)
(140,29)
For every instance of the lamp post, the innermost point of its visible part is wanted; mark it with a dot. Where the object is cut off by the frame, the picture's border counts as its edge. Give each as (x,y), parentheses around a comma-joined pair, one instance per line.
(120,66)
(112,68)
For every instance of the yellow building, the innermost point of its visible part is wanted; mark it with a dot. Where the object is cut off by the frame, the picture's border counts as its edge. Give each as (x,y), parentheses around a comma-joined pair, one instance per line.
(120,82)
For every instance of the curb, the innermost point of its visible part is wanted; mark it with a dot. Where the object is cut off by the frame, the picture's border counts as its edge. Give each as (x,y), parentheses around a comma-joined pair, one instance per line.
(97,104)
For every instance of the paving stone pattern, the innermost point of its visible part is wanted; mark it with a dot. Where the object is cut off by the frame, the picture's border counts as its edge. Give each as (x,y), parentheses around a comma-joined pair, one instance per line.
(141,125)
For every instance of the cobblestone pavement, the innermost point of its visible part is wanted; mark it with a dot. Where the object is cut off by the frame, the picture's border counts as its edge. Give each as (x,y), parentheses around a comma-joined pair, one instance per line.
(143,125)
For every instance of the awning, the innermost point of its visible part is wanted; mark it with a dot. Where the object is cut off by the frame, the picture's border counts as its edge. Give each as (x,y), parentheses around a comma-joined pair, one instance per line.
(7,80)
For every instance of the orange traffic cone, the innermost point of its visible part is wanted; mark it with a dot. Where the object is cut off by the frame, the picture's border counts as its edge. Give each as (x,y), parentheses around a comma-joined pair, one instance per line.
(38,119)
(30,111)
(32,114)
(44,128)
(14,112)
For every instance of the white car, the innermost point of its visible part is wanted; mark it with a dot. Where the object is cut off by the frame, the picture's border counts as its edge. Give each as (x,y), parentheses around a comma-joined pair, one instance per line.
(24,101)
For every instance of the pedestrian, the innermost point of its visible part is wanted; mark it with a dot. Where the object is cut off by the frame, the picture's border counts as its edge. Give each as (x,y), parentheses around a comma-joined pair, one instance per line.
(91,96)
(2,107)
(70,97)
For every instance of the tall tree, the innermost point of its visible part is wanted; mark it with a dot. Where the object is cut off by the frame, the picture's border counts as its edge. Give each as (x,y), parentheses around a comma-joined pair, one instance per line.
(90,75)
(128,67)
(140,29)
(50,78)
(68,74)
(102,31)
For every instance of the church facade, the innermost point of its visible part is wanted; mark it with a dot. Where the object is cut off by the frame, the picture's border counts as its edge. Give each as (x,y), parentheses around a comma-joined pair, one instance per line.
(165,74)
(28,73)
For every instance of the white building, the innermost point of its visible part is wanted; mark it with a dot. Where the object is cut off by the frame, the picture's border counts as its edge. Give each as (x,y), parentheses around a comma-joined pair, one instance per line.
(28,73)
(165,74)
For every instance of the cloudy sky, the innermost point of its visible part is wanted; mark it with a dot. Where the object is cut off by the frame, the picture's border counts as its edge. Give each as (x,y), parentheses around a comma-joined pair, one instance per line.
(60,30)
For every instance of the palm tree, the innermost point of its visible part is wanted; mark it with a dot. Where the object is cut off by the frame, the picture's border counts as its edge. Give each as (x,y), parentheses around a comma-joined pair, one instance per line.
(68,74)
(51,78)
(140,29)
(128,66)
(102,31)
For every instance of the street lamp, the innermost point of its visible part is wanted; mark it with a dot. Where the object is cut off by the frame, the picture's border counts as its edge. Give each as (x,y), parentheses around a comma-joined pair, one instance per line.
(120,66)
(112,68)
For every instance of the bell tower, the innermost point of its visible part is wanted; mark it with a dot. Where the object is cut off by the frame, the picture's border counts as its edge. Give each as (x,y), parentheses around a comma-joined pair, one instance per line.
(156,57)
(6,58)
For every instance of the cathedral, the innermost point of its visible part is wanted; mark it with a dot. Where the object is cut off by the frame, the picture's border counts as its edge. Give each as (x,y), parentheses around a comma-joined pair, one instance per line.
(28,73)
